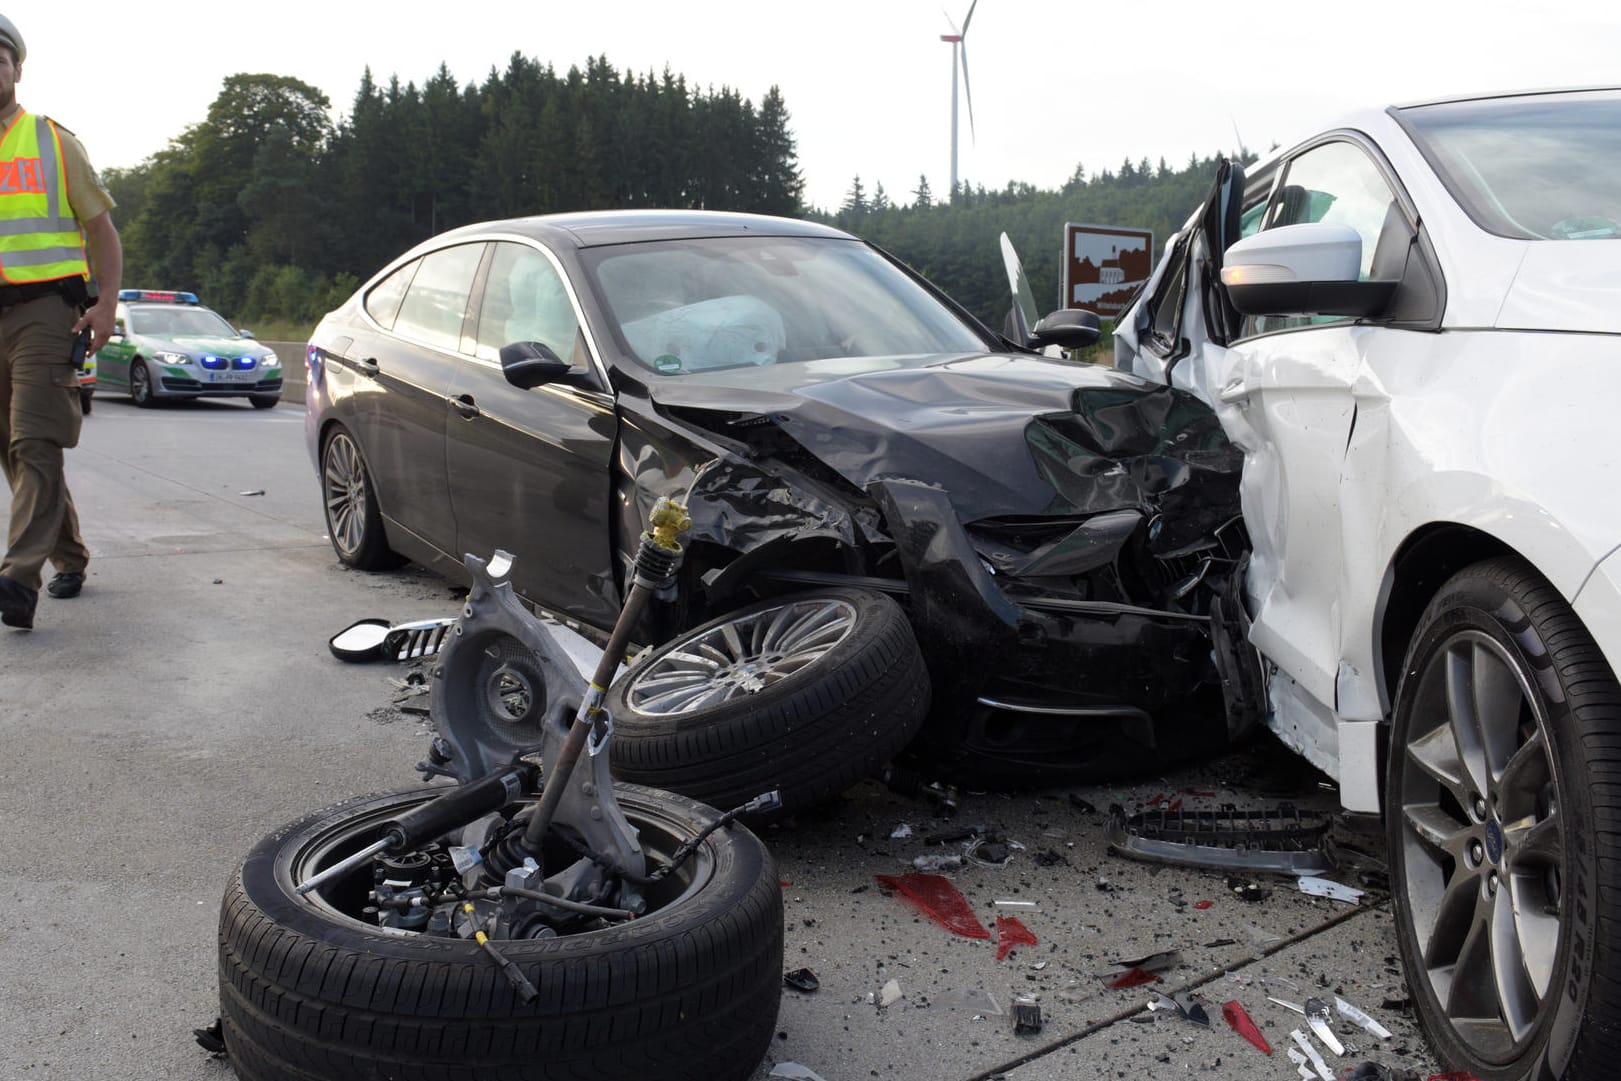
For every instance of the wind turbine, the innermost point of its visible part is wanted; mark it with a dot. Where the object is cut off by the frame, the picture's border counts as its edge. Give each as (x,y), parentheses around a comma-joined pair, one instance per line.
(959,59)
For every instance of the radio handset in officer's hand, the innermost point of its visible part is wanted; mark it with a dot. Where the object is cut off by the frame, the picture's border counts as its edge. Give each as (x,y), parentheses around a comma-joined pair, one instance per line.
(81,346)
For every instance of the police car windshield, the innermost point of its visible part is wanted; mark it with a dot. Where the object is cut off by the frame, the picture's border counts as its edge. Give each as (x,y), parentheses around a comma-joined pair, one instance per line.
(167,322)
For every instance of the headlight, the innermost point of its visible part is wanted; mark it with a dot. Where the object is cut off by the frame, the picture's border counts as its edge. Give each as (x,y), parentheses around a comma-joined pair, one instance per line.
(174,358)
(269,361)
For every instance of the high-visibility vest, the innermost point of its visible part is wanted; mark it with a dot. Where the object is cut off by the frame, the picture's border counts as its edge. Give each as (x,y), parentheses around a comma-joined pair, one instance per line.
(40,239)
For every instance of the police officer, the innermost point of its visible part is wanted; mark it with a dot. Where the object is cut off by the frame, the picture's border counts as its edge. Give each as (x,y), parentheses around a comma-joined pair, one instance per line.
(55,226)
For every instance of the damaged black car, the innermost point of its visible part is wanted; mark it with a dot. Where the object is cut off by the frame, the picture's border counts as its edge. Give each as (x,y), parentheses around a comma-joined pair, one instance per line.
(913,539)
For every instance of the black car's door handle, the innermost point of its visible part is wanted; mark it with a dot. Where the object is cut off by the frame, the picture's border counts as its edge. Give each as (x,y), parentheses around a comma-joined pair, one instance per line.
(368,366)
(463,404)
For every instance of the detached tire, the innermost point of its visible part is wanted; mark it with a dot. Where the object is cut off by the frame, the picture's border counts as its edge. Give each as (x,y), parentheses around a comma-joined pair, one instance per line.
(806,694)
(689,991)
(1502,815)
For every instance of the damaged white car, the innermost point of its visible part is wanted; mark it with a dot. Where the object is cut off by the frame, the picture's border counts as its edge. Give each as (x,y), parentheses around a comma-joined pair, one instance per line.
(1410,325)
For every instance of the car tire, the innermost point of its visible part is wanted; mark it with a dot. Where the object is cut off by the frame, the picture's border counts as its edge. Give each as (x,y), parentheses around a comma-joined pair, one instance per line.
(85,397)
(725,712)
(264,401)
(689,990)
(348,498)
(1501,819)
(140,384)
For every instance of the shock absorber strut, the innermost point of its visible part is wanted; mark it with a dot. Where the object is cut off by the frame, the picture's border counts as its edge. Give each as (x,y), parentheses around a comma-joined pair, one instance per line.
(658,556)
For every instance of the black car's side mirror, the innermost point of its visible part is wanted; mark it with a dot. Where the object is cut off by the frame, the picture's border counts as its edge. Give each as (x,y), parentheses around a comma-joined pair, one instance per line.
(1067,328)
(530,364)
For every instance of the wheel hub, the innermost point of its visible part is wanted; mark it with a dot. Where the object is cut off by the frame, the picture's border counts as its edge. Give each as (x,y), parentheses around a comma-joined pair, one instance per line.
(1494,841)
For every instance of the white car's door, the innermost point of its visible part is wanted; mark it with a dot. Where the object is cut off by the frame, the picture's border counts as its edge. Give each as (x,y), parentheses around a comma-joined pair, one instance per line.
(1295,381)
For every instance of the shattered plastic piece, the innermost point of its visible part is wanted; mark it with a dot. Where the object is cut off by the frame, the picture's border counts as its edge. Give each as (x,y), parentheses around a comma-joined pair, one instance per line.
(1357,1017)
(900,832)
(933,862)
(211,1039)
(991,851)
(1302,1064)
(802,979)
(939,900)
(1247,890)
(1202,905)
(1311,1052)
(795,1071)
(1242,1024)
(1011,932)
(1281,840)
(1006,902)
(1334,891)
(1154,962)
(1317,1016)
(253,491)
(1026,1017)
(1191,1007)
(889,994)
(1133,977)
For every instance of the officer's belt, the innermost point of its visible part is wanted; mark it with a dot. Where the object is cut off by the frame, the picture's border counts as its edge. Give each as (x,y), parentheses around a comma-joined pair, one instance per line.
(71,289)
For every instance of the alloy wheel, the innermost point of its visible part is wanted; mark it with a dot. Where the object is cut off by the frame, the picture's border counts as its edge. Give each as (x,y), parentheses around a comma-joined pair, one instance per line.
(742,656)
(344,483)
(1481,842)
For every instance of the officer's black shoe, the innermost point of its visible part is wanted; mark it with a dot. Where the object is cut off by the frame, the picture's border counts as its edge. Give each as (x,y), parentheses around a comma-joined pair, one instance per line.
(65,585)
(17,603)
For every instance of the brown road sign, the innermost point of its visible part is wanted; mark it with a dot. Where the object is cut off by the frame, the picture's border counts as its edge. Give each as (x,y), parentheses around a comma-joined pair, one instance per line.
(1104,265)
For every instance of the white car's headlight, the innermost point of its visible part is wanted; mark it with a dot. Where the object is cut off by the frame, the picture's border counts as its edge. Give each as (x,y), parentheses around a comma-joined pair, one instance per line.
(269,361)
(174,358)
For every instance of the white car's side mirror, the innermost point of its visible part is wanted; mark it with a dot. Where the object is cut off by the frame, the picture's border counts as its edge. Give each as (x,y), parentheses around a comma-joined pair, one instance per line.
(1308,269)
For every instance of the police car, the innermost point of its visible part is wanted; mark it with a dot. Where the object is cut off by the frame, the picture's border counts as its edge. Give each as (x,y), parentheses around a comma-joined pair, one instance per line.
(165,344)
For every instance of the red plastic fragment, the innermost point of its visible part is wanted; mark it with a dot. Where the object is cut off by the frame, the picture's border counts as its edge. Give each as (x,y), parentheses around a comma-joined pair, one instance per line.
(939,900)
(1202,905)
(1011,932)
(1240,1020)
(1133,977)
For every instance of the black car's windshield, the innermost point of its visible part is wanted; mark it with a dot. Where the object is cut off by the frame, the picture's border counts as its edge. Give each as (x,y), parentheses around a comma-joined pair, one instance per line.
(1543,167)
(180,323)
(684,306)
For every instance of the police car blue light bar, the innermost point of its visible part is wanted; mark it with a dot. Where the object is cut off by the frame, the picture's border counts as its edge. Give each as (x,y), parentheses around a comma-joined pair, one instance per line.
(169,296)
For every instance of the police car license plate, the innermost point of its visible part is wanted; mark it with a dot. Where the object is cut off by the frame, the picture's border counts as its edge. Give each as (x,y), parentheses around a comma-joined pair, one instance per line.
(228,377)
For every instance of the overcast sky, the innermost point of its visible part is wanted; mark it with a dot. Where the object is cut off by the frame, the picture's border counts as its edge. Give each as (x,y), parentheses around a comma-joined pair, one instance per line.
(867,82)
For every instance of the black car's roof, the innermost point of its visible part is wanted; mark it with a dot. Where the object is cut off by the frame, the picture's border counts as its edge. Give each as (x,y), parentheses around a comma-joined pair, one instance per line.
(589,229)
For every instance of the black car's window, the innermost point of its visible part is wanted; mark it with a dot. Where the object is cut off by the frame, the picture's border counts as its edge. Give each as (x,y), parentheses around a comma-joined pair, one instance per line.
(435,306)
(383,302)
(685,306)
(1337,183)
(524,301)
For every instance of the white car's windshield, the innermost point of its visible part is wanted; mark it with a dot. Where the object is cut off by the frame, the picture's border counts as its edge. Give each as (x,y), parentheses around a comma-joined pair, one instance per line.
(180,323)
(1540,167)
(685,306)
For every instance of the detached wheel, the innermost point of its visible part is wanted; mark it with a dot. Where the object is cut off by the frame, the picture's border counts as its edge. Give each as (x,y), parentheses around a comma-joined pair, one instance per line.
(353,522)
(311,992)
(806,694)
(140,384)
(1501,820)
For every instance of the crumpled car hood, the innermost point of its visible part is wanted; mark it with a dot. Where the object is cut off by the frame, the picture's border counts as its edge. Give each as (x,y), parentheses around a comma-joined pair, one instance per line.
(1003,435)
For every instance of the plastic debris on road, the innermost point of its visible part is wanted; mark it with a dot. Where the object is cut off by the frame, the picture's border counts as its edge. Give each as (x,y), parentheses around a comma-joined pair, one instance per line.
(1141,970)
(1026,1017)
(1241,1023)
(1282,840)
(795,1071)
(938,899)
(802,979)
(1011,932)
(1309,1049)
(889,994)
(1334,891)
(1357,1017)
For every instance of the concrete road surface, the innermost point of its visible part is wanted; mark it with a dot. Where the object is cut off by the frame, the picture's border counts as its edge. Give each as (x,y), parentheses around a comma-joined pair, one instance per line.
(186,704)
